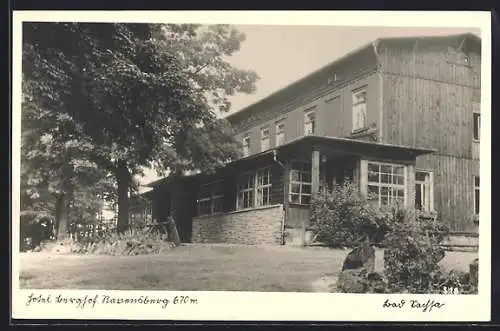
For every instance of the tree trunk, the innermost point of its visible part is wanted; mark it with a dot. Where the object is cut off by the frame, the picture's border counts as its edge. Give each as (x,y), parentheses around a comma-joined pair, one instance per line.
(61,217)
(174,234)
(123,180)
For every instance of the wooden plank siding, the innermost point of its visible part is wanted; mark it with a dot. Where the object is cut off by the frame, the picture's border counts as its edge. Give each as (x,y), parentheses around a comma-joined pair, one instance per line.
(429,97)
(230,179)
(333,114)
(453,189)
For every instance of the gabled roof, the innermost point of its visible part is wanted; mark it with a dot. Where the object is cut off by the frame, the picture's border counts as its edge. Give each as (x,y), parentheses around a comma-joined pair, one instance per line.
(371,47)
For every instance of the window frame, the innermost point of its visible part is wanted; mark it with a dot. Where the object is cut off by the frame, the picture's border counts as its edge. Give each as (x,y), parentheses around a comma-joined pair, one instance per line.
(476,126)
(264,137)
(303,165)
(477,195)
(260,185)
(280,134)
(357,106)
(246,144)
(428,191)
(390,186)
(310,122)
(253,185)
(212,197)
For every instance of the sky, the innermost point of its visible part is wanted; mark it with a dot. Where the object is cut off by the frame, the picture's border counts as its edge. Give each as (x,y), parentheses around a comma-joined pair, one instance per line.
(283,54)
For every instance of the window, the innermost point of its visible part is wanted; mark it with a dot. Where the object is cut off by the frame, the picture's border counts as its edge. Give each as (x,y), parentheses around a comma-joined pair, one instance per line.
(245,197)
(280,133)
(210,200)
(424,190)
(310,123)
(264,139)
(254,189)
(386,182)
(263,187)
(246,145)
(477,126)
(359,109)
(476,195)
(300,183)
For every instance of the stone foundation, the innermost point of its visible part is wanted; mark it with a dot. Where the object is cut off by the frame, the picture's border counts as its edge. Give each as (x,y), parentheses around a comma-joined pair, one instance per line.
(461,242)
(249,227)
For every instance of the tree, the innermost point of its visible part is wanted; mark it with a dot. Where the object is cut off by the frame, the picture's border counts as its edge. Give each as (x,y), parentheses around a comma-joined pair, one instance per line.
(137,94)
(54,173)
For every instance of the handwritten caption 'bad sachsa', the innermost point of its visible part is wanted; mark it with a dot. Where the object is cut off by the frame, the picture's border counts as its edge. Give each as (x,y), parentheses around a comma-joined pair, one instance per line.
(89,301)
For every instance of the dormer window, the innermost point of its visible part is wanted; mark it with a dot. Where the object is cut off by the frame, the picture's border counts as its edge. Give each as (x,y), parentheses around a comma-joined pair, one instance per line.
(359,120)
(310,123)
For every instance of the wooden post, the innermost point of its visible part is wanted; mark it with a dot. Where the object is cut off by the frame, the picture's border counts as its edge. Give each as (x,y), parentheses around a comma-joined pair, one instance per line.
(315,166)
(286,200)
(315,183)
(410,186)
(362,180)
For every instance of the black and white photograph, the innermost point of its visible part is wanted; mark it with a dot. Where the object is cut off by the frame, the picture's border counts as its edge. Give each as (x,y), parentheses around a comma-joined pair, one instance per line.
(191,166)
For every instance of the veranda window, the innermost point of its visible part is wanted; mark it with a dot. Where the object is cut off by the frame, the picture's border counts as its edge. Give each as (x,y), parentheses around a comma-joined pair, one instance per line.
(254,189)
(210,200)
(386,182)
(245,195)
(263,187)
(300,183)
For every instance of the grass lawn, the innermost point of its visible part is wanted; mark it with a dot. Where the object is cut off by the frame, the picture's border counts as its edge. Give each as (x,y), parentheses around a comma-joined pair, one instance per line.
(198,267)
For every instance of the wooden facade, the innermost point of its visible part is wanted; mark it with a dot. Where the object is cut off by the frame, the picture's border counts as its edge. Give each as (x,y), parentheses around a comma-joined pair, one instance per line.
(431,89)
(419,95)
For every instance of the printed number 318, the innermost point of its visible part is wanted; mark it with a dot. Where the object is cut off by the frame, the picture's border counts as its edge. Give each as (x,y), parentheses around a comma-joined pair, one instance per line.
(450,290)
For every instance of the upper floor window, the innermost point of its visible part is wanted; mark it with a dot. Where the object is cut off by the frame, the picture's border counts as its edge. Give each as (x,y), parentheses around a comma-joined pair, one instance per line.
(264,139)
(477,126)
(246,145)
(300,183)
(210,198)
(310,123)
(359,120)
(386,182)
(476,195)
(424,190)
(280,133)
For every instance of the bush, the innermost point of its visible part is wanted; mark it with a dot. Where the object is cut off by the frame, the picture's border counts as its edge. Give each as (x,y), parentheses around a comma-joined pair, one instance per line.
(138,241)
(413,252)
(344,217)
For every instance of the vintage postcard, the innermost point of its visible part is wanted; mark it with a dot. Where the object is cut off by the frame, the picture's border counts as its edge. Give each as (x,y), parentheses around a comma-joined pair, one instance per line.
(260,166)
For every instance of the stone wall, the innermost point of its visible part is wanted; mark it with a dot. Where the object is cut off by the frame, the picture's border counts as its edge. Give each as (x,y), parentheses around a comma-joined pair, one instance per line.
(249,227)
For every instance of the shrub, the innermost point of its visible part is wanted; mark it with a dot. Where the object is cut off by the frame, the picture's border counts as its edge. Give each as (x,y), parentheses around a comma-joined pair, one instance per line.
(413,252)
(137,241)
(344,217)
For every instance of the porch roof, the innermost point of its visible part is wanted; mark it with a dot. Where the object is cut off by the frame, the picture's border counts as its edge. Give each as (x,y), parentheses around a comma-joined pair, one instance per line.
(338,145)
(343,145)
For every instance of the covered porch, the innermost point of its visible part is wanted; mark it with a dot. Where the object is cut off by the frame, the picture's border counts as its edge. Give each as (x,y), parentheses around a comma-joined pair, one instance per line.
(264,198)
(316,163)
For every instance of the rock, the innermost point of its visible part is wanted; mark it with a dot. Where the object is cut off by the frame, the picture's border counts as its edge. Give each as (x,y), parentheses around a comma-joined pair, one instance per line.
(352,281)
(375,283)
(362,256)
(473,271)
